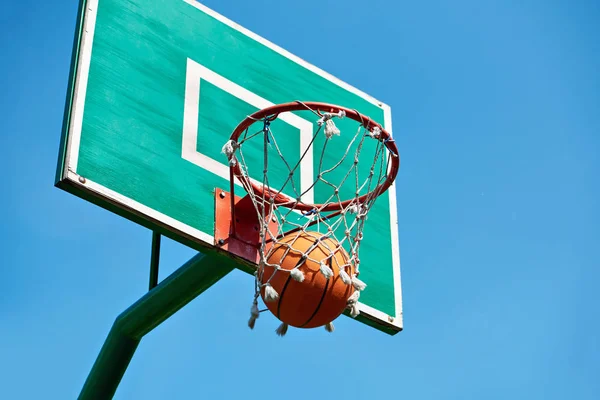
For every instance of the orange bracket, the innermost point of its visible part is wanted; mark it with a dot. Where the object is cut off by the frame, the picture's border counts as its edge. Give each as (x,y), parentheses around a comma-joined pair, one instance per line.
(237,228)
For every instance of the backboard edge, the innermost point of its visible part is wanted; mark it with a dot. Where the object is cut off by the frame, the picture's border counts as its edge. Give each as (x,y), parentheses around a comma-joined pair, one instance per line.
(70,93)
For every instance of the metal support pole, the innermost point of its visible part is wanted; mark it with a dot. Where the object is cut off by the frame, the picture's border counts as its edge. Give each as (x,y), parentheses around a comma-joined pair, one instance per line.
(177,290)
(154,260)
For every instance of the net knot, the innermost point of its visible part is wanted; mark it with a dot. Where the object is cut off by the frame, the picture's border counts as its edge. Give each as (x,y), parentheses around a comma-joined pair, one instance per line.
(282,329)
(330,128)
(297,275)
(375,133)
(229,149)
(352,304)
(254,313)
(345,277)
(358,284)
(354,209)
(360,210)
(270,294)
(329,327)
(325,270)
(354,298)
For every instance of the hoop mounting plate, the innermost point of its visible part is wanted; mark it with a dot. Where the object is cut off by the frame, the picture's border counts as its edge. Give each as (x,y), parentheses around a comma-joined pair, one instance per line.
(242,235)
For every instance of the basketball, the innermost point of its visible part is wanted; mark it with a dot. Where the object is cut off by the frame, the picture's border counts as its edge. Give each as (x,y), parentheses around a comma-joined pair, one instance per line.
(311,297)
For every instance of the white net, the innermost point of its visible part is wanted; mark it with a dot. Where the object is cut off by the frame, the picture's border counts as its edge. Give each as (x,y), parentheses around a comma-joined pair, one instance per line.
(349,164)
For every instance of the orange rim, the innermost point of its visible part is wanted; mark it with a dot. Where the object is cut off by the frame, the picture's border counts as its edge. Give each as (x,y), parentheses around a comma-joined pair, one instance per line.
(280,199)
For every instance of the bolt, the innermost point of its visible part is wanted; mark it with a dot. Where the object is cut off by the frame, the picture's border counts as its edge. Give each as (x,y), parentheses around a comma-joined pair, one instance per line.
(391,319)
(81,179)
(222,195)
(274,219)
(221,242)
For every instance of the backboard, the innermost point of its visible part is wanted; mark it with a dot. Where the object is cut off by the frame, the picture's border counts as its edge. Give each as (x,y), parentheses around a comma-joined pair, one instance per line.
(157,87)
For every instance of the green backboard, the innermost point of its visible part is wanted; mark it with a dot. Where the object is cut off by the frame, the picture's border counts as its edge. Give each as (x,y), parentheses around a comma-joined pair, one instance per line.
(157,88)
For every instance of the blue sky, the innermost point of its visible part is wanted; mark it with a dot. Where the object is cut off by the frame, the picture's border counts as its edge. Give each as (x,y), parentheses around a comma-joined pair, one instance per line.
(495,107)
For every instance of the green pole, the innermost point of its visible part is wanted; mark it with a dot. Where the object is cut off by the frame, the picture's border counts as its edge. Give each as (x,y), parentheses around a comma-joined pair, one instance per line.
(177,290)
(154,260)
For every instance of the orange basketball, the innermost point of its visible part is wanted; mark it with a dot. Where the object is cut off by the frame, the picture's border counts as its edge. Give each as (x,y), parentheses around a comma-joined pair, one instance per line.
(317,299)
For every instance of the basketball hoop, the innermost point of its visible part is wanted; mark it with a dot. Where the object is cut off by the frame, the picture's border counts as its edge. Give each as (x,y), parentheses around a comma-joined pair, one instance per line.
(281,228)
